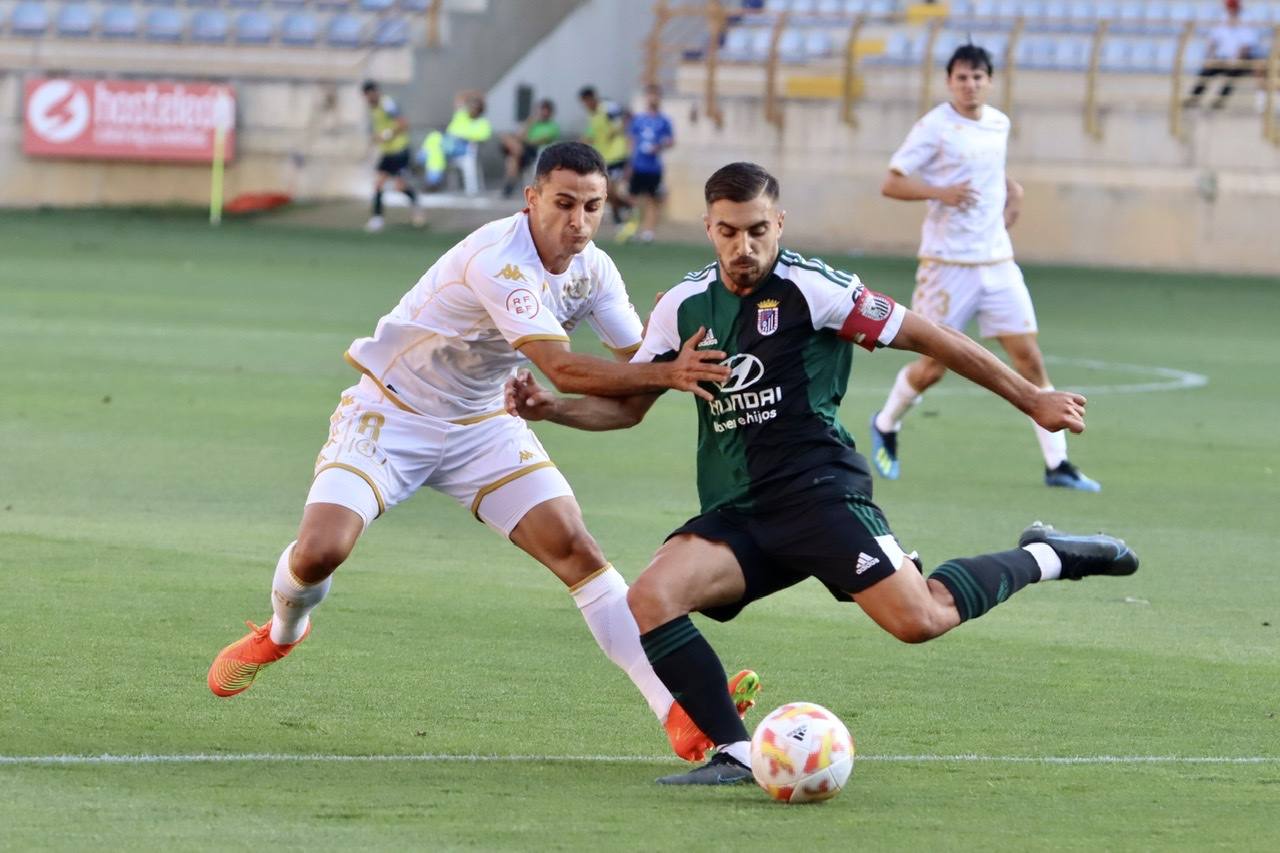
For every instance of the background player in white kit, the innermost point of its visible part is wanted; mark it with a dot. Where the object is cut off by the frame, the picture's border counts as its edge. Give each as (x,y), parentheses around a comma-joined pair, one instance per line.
(954,158)
(428,411)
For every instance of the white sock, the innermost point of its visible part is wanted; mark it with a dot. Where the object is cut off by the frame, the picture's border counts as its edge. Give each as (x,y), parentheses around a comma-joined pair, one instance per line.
(292,601)
(901,398)
(739,750)
(1047,559)
(602,600)
(1052,444)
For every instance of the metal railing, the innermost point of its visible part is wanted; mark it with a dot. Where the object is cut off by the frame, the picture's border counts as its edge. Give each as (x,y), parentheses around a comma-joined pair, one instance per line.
(707,23)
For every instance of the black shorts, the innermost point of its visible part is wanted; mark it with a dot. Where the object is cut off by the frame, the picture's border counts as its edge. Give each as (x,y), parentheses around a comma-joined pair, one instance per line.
(393,164)
(616,169)
(528,153)
(646,183)
(839,537)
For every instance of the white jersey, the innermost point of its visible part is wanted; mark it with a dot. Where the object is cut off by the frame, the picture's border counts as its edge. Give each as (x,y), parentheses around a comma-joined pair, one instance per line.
(946,148)
(1233,41)
(447,349)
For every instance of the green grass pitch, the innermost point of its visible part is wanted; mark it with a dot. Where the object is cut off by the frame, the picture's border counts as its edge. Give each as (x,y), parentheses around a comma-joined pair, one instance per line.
(166,387)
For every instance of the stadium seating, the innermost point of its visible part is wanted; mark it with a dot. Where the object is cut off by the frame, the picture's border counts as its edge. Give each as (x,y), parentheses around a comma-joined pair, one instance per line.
(119,22)
(345,31)
(299,29)
(29,19)
(164,24)
(210,26)
(254,28)
(76,20)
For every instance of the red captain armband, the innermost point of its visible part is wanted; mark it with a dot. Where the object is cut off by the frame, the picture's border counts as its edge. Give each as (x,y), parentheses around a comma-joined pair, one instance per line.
(871,311)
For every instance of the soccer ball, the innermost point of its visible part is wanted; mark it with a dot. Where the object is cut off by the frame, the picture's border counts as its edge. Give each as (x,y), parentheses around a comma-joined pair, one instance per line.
(801,753)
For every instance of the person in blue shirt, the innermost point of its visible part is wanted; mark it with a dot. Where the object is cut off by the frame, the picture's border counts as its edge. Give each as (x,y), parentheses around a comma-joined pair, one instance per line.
(650,134)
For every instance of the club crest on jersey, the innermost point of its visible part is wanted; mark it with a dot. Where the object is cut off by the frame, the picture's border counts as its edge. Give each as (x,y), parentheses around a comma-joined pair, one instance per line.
(767,316)
(576,288)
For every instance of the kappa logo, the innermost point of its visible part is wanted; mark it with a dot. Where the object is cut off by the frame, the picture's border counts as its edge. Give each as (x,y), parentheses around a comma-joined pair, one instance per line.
(526,455)
(511,272)
(865,561)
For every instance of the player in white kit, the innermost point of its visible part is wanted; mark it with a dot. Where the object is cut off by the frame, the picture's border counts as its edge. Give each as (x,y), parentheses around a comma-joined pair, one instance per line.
(428,411)
(954,159)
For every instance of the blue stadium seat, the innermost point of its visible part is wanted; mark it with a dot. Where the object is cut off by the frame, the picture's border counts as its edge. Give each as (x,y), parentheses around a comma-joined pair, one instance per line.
(1071,54)
(119,22)
(345,31)
(159,2)
(829,8)
(376,5)
(737,45)
(1116,55)
(791,45)
(254,28)
(209,26)
(29,19)
(415,5)
(1207,12)
(164,25)
(391,32)
(333,4)
(818,44)
(204,3)
(245,4)
(75,20)
(289,4)
(299,28)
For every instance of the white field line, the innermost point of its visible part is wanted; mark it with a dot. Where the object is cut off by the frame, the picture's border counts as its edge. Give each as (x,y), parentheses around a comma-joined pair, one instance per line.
(1161,379)
(273,757)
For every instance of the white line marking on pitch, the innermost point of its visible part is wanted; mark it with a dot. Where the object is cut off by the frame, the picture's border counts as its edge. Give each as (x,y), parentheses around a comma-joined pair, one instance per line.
(1168,379)
(252,757)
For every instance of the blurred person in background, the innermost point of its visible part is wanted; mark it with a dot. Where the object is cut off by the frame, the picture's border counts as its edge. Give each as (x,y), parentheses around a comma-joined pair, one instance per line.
(650,133)
(467,129)
(1232,44)
(391,135)
(539,130)
(954,159)
(607,133)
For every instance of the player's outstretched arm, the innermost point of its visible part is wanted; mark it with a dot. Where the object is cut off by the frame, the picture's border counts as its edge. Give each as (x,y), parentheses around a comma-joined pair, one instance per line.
(1053,410)
(575,373)
(527,399)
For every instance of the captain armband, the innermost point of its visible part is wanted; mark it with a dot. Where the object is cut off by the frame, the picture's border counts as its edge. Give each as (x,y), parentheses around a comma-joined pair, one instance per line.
(872,312)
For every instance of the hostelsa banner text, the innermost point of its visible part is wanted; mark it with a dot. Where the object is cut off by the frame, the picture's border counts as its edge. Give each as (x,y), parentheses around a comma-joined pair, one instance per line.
(127,119)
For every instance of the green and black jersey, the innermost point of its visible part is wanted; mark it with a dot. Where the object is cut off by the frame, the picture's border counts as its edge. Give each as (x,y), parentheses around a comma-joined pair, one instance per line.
(771,432)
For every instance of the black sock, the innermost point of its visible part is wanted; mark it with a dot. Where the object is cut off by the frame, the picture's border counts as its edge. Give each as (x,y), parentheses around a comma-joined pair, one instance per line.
(377,203)
(412,196)
(688,666)
(980,583)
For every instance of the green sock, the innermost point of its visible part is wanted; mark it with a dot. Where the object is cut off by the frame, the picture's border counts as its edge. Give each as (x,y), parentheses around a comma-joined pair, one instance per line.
(980,583)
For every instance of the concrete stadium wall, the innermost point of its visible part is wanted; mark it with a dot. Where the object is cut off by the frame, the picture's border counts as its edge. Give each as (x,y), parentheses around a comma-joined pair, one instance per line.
(305,138)
(1137,197)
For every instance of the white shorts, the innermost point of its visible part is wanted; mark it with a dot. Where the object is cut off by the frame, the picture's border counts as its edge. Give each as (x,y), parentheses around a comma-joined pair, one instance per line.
(378,455)
(951,294)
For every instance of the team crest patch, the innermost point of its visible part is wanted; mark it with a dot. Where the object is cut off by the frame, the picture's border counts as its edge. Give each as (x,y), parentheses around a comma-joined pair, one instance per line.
(874,307)
(767,316)
(523,304)
(576,288)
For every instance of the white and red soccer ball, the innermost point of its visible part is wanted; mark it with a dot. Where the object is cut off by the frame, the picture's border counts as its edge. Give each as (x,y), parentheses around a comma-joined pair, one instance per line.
(801,753)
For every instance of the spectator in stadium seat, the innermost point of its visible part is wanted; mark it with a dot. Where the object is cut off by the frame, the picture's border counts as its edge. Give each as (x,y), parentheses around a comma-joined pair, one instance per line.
(539,130)
(650,133)
(1231,44)
(459,143)
(607,133)
(391,135)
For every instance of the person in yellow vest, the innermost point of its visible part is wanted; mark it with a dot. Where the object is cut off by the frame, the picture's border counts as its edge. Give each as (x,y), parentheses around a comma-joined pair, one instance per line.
(467,129)
(391,135)
(606,132)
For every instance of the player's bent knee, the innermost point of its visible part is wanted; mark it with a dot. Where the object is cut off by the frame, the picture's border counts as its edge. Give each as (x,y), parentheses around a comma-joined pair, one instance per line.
(916,626)
(319,555)
(649,605)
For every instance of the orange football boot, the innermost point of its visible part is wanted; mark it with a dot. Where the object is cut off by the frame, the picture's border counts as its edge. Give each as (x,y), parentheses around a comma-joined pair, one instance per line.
(687,739)
(236,666)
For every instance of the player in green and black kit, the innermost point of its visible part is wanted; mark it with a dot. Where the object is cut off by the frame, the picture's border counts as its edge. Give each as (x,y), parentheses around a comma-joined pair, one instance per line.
(784,494)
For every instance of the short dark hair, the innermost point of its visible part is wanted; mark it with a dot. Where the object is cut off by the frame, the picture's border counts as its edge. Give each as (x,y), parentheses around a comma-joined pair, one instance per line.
(973,56)
(577,157)
(586,92)
(369,86)
(547,104)
(740,182)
